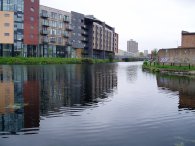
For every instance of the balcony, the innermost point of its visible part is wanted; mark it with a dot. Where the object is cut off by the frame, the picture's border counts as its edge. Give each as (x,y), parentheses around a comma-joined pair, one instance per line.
(66,19)
(68,43)
(44,15)
(84,40)
(66,35)
(52,40)
(45,40)
(45,23)
(84,26)
(44,32)
(69,28)
(84,33)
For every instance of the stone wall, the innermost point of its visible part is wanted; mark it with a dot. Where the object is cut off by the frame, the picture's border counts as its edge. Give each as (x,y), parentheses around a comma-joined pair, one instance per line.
(181,56)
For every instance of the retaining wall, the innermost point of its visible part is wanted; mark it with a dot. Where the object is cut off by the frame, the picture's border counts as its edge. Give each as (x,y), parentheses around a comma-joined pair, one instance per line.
(177,56)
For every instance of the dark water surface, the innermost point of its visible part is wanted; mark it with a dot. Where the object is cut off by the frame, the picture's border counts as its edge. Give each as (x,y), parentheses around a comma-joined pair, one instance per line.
(95,105)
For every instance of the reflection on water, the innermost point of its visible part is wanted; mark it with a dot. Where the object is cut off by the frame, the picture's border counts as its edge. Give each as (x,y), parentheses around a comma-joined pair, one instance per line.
(185,87)
(29,92)
(132,73)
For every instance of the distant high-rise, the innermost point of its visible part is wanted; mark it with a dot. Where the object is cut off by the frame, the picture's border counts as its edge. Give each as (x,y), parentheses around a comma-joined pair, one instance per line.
(132,46)
(145,53)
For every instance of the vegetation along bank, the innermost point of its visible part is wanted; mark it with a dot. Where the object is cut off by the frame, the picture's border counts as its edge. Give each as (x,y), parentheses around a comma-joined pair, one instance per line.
(38,61)
(175,69)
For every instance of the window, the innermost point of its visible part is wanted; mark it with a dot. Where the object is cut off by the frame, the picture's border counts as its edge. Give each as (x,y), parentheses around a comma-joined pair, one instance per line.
(32,1)
(6,15)
(31,36)
(32,9)
(31,18)
(6,24)
(6,34)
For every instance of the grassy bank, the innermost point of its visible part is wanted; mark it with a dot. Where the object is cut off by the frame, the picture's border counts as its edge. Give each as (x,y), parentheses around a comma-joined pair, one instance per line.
(37,61)
(155,67)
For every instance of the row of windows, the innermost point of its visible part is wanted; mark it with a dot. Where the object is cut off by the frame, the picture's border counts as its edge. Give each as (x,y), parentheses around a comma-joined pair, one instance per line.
(12,5)
(54,15)
(51,23)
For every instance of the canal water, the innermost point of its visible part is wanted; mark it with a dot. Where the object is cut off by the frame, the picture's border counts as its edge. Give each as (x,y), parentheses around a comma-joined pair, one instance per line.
(95,105)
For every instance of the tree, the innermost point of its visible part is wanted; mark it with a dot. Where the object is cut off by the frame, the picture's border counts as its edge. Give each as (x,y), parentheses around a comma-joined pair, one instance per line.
(141,54)
(154,54)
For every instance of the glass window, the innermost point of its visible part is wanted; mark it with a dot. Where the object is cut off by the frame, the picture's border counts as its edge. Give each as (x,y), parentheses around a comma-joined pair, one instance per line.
(32,9)
(6,24)
(32,1)
(31,18)
(6,15)
(6,34)
(31,36)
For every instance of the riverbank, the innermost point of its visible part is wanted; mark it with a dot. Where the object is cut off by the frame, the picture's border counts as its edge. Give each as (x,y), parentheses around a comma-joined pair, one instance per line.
(41,60)
(168,69)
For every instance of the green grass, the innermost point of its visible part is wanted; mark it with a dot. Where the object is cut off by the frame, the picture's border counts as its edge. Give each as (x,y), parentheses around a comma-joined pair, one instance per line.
(37,61)
(155,67)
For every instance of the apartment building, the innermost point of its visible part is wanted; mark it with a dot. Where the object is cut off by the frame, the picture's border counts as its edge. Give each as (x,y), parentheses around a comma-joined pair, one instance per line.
(19,22)
(101,40)
(55,32)
(7,32)
(33,30)
(132,47)
(78,38)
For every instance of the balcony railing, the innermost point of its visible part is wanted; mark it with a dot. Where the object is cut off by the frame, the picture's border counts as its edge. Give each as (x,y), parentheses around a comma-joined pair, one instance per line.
(44,32)
(66,35)
(84,33)
(84,26)
(84,40)
(66,19)
(69,43)
(45,23)
(44,15)
(52,40)
(69,28)
(45,40)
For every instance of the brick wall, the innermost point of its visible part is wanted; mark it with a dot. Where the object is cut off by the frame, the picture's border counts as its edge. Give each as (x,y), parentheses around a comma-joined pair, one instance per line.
(31,27)
(187,40)
(177,55)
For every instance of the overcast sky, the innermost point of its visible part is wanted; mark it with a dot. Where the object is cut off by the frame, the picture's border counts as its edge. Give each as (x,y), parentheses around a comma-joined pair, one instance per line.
(152,23)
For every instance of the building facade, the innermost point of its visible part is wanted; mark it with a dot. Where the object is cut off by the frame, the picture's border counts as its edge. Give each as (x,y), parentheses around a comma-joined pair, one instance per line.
(32,30)
(101,39)
(145,53)
(19,20)
(132,46)
(188,39)
(55,32)
(78,33)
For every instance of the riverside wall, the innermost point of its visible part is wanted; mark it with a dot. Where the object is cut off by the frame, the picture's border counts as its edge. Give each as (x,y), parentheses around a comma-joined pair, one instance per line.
(177,56)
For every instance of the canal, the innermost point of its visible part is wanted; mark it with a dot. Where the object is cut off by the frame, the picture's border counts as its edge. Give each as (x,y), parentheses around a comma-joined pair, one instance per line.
(95,105)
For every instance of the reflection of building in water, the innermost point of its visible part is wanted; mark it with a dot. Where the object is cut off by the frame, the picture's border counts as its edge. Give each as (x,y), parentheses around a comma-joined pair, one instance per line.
(75,84)
(31,90)
(6,97)
(184,85)
(10,117)
(31,100)
(99,81)
(21,93)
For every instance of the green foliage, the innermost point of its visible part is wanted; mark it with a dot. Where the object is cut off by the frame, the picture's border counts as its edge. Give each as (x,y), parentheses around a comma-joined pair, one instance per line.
(39,60)
(156,67)
(111,57)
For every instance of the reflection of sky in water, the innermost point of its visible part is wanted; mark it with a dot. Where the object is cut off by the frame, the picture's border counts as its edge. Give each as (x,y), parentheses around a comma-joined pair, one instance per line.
(132,73)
